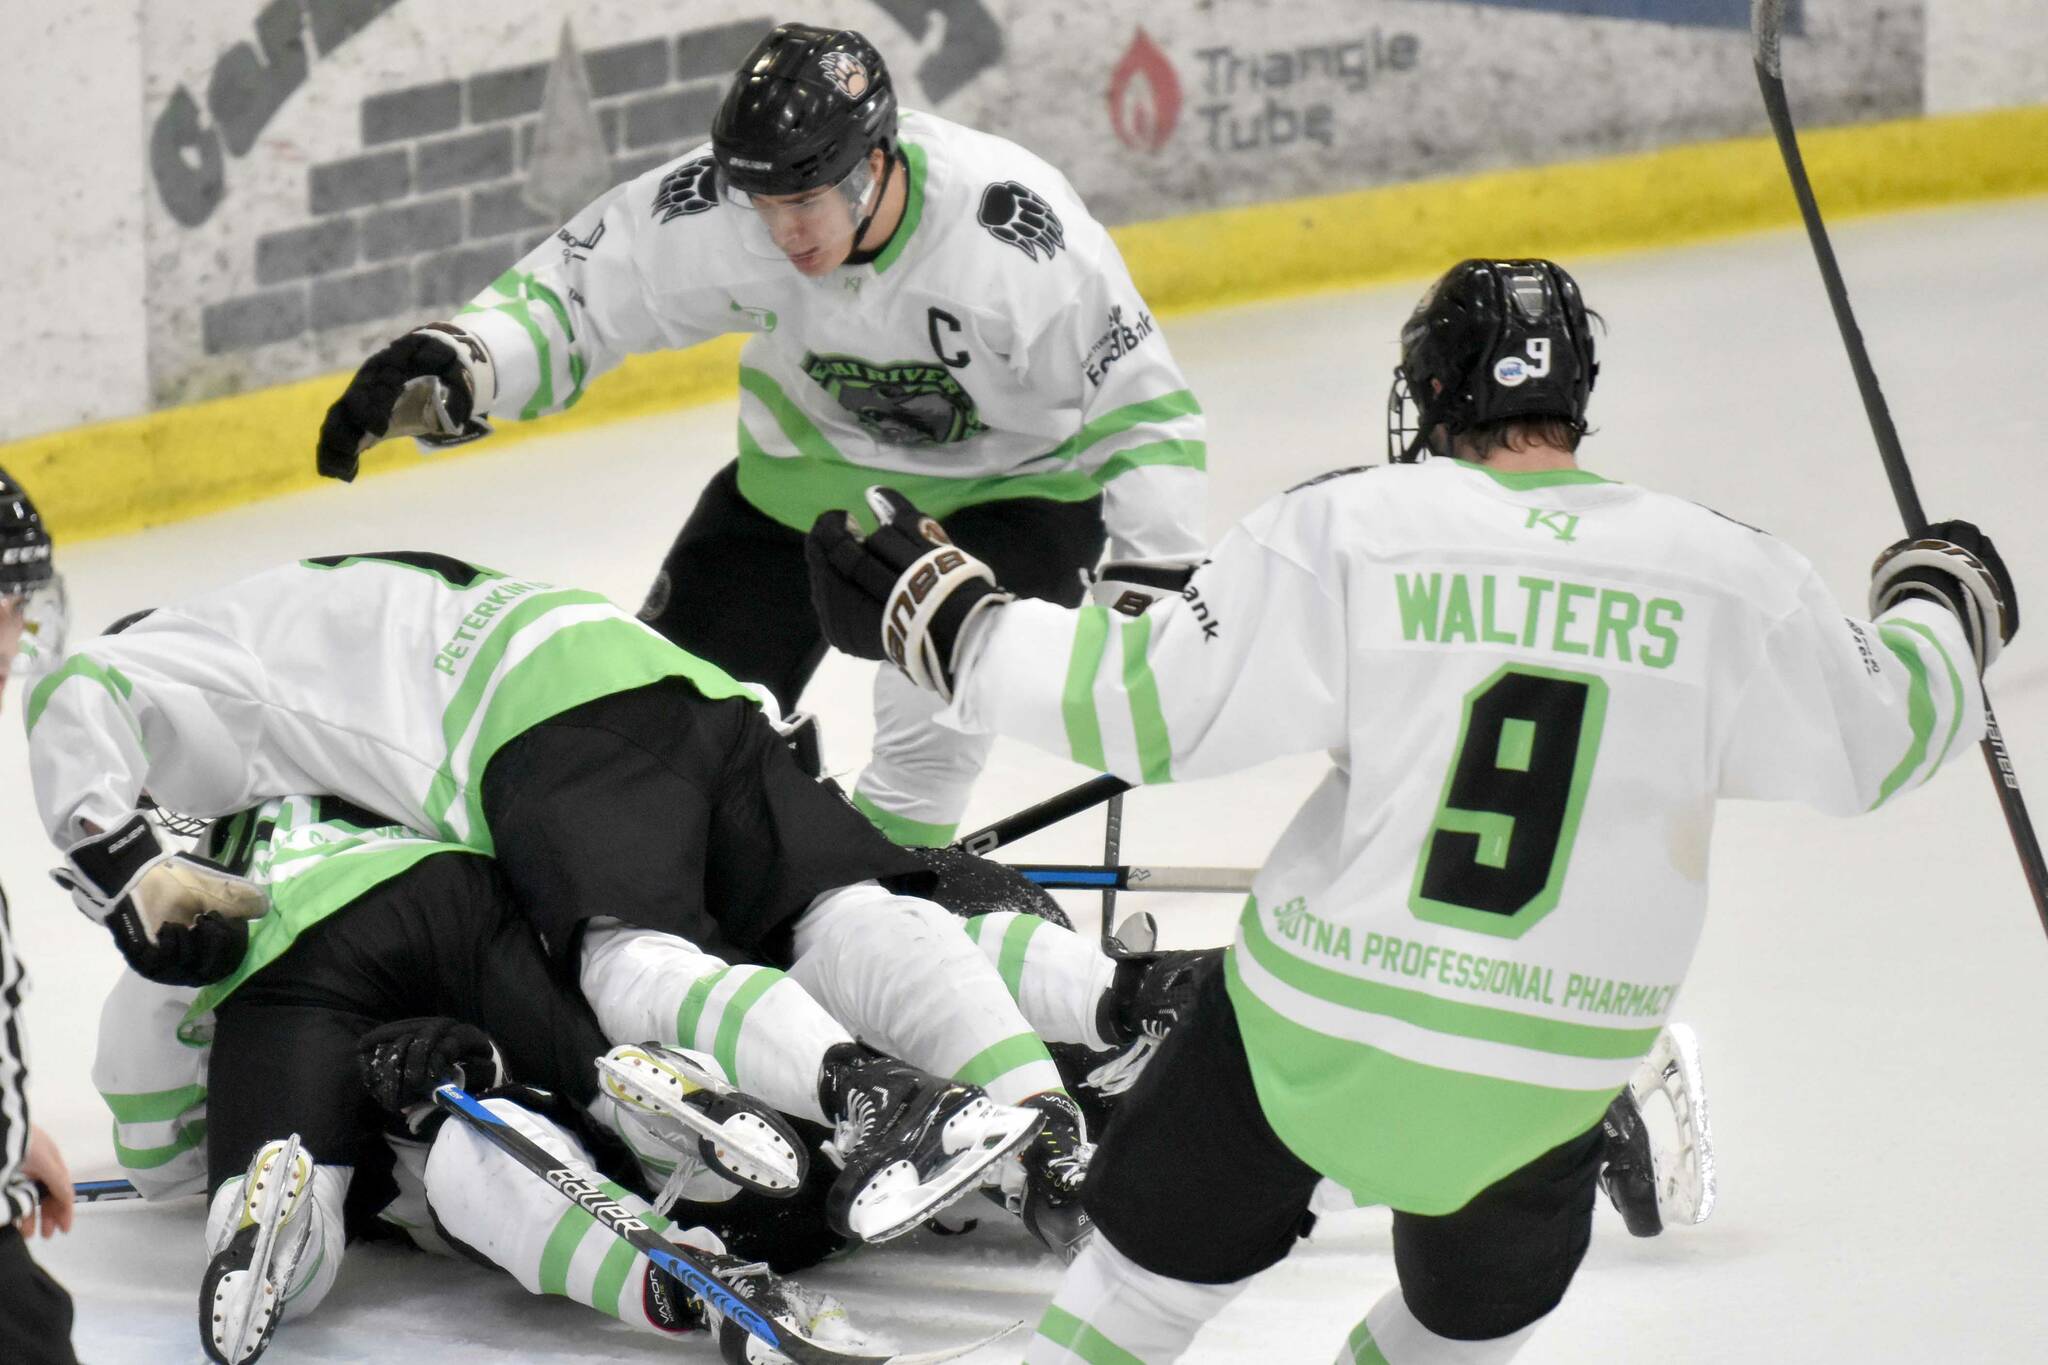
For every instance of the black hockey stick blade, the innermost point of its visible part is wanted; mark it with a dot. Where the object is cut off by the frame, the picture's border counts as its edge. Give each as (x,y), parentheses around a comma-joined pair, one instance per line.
(695,1275)
(1050,811)
(1766,18)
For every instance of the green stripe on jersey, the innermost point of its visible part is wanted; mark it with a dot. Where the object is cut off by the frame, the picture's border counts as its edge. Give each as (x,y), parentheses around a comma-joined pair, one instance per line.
(1420,1138)
(901,829)
(1919,710)
(77,666)
(1148,720)
(149,1158)
(1077,700)
(1364,1350)
(1955,687)
(1481,1022)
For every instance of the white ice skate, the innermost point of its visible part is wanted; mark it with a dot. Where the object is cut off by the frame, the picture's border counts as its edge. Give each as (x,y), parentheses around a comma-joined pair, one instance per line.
(257,1255)
(1659,1169)
(679,1100)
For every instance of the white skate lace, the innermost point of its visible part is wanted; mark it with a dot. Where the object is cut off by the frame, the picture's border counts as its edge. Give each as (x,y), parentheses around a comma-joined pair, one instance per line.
(1121,1072)
(853,1127)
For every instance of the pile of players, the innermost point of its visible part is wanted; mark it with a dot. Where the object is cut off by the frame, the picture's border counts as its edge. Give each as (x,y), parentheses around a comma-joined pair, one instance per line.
(475,827)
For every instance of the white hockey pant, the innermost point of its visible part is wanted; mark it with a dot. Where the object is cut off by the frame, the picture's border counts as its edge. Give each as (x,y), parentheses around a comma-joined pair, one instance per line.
(320,1208)
(1056,976)
(920,773)
(903,975)
(763,1029)
(510,1216)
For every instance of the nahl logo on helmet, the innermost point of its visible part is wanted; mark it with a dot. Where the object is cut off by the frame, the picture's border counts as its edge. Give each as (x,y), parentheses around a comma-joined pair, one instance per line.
(845,72)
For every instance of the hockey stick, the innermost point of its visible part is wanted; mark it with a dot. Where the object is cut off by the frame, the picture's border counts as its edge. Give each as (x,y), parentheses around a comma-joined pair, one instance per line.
(1766,20)
(1050,811)
(103,1191)
(1112,849)
(1124,877)
(696,1276)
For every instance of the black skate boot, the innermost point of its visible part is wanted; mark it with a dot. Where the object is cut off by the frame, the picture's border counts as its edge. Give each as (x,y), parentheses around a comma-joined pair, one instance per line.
(1150,994)
(908,1142)
(1658,1166)
(1043,1185)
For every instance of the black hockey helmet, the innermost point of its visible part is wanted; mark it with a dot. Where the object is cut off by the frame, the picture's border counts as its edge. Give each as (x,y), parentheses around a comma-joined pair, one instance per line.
(1491,340)
(25,563)
(807,106)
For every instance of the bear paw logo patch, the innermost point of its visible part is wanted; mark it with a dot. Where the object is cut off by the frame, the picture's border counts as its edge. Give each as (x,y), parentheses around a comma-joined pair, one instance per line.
(690,188)
(845,73)
(1015,214)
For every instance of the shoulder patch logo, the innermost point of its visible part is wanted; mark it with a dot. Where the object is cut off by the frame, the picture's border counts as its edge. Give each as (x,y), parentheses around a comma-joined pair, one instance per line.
(690,188)
(1015,214)
(844,72)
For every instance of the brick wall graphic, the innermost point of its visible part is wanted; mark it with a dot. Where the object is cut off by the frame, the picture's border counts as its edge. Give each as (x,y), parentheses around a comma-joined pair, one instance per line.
(434,207)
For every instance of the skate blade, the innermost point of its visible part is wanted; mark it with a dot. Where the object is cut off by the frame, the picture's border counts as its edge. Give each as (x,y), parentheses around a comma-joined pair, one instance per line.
(897,1206)
(1686,1193)
(746,1148)
(277,1184)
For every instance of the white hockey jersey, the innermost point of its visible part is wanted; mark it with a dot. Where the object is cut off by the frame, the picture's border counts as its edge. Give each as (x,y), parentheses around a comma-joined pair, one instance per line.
(1533,687)
(388,680)
(995,349)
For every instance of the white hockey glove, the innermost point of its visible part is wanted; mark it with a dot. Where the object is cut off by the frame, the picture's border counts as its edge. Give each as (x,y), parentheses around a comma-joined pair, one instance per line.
(1956,565)
(1131,585)
(906,593)
(427,384)
(177,919)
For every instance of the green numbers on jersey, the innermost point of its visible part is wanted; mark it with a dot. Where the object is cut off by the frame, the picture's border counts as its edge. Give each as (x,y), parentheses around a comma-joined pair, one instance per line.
(1495,855)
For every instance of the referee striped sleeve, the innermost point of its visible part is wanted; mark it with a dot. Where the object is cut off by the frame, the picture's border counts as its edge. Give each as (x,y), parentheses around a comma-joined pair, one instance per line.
(15,1192)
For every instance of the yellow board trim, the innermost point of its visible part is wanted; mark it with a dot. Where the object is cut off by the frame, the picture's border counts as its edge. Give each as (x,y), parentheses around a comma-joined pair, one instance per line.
(120,476)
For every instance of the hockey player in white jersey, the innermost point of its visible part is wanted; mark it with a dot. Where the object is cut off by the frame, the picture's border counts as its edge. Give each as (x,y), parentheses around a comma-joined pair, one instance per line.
(1533,683)
(926,305)
(624,786)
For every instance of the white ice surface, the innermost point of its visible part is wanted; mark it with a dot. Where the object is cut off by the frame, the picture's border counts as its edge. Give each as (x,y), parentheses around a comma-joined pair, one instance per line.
(1872,994)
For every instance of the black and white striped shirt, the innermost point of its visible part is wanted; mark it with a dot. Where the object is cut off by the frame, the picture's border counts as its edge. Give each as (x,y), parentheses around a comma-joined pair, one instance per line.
(17,1195)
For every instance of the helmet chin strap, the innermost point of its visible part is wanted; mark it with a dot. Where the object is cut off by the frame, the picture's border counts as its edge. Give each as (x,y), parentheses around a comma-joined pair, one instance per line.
(860,229)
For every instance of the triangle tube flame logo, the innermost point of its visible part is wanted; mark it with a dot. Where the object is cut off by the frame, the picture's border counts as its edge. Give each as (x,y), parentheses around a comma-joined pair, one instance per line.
(1144,96)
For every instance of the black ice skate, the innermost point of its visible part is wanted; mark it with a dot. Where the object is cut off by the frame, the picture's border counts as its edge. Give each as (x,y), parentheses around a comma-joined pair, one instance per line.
(1151,993)
(1042,1186)
(1658,1168)
(253,1266)
(909,1142)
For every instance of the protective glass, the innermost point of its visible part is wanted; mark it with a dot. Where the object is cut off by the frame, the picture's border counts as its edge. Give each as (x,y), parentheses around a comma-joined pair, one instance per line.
(773,224)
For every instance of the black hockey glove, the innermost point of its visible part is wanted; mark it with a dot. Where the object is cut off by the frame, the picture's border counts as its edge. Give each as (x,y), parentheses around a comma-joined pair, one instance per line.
(178,919)
(416,386)
(1956,565)
(905,594)
(402,1063)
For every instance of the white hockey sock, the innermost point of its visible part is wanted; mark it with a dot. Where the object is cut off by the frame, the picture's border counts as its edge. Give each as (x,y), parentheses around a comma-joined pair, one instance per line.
(1391,1335)
(507,1214)
(1109,1308)
(919,773)
(903,975)
(320,1208)
(768,1035)
(1056,976)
